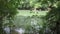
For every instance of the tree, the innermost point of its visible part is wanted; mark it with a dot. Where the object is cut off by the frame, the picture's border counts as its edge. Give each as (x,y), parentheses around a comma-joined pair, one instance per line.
(53,18)
(8,11)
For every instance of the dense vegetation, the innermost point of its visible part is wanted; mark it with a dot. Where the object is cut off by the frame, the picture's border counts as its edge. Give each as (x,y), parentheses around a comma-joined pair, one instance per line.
(53,18)
(8,10)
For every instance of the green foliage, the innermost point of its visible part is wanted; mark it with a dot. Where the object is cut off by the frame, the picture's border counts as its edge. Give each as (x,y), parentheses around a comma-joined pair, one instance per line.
(7,10)
(36,4)
(53,18)
(32,4)
(8,7)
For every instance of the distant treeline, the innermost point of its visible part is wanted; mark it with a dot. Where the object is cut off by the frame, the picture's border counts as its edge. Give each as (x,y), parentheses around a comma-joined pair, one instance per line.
(33,5)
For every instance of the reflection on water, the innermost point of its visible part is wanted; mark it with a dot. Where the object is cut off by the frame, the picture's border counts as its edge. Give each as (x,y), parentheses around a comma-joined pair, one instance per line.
(25,24)
(17,30)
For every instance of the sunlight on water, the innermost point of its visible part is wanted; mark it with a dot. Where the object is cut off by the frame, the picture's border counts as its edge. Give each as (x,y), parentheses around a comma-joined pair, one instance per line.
(20,30)
(7,30)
